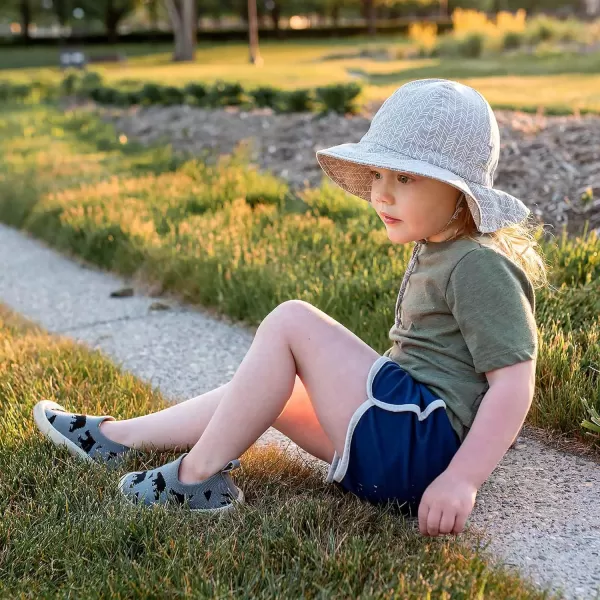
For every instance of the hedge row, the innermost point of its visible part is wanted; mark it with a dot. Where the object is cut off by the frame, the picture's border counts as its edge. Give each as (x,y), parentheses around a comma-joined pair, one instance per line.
(340,98)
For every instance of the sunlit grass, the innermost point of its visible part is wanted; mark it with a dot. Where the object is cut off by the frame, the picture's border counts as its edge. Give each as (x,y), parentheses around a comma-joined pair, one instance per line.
(227,236)
(65,529)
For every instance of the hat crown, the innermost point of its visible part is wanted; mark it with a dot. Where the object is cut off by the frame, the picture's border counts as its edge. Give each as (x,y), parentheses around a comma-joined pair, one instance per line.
(441,122)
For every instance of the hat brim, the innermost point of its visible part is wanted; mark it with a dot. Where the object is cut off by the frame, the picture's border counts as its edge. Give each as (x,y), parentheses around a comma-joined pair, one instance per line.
(349,166)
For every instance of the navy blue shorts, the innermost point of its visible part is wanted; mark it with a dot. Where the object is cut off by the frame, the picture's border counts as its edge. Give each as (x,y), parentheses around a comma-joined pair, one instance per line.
(398,441)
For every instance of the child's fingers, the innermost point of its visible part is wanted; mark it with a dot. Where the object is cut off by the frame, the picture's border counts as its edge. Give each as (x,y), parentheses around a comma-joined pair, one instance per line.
(459,523)
(433,520)
(448,521)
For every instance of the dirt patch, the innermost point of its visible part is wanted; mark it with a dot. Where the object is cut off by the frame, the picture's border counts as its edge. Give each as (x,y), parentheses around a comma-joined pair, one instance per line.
(551,163)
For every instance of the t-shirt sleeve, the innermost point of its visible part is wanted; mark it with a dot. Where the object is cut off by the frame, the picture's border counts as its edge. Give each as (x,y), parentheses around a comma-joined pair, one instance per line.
(493,302)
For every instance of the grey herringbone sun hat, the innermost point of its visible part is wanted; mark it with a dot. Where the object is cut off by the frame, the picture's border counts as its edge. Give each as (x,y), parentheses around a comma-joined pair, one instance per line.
(437,128)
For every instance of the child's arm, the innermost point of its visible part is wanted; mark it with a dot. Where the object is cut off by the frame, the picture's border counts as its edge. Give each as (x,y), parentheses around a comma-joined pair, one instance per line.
(498,421)
(448,501)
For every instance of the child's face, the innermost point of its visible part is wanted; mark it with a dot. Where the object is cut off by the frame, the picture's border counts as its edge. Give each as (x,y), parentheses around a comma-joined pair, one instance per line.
(422,204)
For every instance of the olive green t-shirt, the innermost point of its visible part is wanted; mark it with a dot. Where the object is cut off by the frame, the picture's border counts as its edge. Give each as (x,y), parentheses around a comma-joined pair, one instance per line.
(467,309)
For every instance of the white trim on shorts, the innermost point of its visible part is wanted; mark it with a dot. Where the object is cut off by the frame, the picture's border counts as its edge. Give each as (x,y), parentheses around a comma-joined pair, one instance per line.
(337,468)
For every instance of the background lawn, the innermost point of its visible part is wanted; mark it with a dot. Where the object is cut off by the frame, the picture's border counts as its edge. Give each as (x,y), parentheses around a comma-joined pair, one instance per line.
(560,82)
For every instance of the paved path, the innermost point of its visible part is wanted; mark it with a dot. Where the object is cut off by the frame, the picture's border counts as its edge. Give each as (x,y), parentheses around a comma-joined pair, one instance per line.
(540,506)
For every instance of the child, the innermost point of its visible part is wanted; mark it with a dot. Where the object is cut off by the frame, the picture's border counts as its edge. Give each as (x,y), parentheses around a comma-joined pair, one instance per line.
(425,423)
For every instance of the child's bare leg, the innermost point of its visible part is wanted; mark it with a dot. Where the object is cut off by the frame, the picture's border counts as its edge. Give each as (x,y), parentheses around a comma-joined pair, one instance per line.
(295,338)
(181,425)
(178,426)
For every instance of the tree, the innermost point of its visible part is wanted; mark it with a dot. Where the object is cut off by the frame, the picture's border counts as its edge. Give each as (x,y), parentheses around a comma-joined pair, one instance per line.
(109,12)
(182,14)
(255,57)
(371,15)
(25,7)
(63,11)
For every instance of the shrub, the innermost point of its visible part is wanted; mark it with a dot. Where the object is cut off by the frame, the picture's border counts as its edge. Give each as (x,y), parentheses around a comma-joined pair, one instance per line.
(70,82)
(171,95)
(541,29)
(89,81)
(466,21)
(225,94)
(571,30)
(448,46)
(105,95)
(151,93)
(424,35)
(339,98)
(512,40)
(197,91)
(295,101)
(265,96)
(133,97)
(471,46)
(12,91)
(506,21)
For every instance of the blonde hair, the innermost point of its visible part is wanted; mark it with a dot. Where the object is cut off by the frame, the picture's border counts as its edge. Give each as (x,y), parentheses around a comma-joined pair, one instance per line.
(517,242)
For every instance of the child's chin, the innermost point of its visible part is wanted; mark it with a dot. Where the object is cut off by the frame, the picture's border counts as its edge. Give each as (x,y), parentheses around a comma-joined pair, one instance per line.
(398,238)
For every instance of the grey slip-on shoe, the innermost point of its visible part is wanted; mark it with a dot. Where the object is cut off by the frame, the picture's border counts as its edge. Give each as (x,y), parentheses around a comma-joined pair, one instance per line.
(218,493)
(79,433)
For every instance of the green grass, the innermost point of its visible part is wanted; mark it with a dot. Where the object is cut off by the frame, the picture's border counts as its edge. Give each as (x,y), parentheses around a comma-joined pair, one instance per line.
(560,83)
(65,531)
(226,236)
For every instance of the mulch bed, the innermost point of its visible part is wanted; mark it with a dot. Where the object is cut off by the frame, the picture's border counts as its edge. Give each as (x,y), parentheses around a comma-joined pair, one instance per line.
(551,163)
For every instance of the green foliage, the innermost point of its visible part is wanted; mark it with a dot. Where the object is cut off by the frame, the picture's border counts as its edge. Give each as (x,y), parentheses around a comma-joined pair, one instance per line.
(471,46)
(198,91)
(512,40)
(340,97)
(14,92)
(70,82)
(89,80)
(543,28)
(295,101)
(222,93)
(151,93)
(265,96)
(171,95)
(594,424)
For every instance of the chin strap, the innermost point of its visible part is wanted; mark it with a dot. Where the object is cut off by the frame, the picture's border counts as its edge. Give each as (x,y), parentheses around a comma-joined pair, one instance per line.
(413,260)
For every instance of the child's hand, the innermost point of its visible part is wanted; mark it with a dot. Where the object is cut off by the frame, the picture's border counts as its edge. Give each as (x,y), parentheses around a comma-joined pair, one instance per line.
(446,504)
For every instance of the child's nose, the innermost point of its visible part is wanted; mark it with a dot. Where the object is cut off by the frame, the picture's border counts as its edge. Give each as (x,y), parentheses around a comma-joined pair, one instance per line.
(387,197)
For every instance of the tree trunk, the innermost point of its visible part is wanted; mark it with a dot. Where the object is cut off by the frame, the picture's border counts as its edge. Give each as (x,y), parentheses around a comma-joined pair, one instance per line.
(111,21)
(255,57)
(371,16)
(275,15)
(25,19)
(61,10)
(182,15)
(335,14)
(153,14)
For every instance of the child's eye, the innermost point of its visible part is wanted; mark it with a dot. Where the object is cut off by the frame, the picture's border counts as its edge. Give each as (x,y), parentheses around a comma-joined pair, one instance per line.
(405,177)
(375,173)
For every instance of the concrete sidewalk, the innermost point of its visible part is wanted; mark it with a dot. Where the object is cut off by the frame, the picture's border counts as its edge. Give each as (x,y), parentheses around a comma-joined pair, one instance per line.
(541,507)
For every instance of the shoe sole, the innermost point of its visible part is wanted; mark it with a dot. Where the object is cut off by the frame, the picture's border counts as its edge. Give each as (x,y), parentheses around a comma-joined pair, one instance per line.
(221,509)
(39,416)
